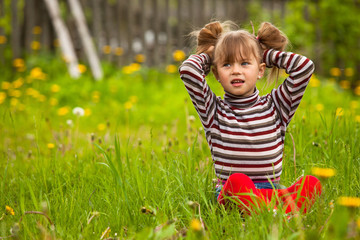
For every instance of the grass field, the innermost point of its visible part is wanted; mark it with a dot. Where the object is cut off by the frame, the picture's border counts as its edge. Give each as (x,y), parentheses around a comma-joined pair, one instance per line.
(126,158)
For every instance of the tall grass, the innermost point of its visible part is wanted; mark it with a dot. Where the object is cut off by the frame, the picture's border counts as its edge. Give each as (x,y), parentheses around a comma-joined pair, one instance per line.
(139,167)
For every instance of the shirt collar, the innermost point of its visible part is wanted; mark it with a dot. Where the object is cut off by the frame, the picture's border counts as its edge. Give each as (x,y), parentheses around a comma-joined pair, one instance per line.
(240,101)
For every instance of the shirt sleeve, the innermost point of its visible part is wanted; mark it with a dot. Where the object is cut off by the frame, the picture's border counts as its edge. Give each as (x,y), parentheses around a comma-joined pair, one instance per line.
(192,73)
(288,95)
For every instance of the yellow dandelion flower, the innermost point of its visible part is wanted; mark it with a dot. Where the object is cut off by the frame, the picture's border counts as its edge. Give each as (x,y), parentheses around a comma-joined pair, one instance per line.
(354,104)
(357,90)
(95,96)
(171,68)
(18,62)
(55,88)
(101,126)
(6,85)
(50,145)
(119,51)
(335,72)
(349,72)
(18,83)
(349,201)
(105,233)
(14,102)
(35,45)
(53,101)
(319,107)
(2,97)
(32,92)
(3,39)
(179,55)
(345,84)
(131,68)
(36,30)
(87,112)
(37,73)
(20,107)
(339,112)
(128,105)
(106,49)
(41,98)
(135,67)
(133,99)
(314,82)
(9,210)
(82,68)
(323,172)
(357,118)
(63,111)
(140,58)
(195,225)
(15,93)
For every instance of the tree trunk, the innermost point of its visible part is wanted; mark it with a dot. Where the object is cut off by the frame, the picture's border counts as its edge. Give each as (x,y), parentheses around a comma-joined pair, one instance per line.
(86,39)
(63,35)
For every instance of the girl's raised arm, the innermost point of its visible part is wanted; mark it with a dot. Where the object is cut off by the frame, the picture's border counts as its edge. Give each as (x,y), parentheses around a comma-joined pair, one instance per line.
(193,72)
(288,95)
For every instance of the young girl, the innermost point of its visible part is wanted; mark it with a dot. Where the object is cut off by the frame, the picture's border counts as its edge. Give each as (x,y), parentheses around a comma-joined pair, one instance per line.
(245,131)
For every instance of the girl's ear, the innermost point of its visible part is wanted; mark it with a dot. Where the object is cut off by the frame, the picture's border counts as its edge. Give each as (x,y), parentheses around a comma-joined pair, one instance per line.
(262,67)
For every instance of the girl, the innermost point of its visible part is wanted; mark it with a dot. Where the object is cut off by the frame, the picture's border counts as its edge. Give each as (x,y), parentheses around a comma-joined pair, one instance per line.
(245,131)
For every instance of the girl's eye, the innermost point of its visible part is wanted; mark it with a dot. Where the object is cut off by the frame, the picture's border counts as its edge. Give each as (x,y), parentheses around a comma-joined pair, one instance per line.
(226,65)
(245,63)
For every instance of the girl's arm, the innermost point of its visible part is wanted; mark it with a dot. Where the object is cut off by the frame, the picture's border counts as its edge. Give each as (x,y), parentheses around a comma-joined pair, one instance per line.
(193,72)
(288,95)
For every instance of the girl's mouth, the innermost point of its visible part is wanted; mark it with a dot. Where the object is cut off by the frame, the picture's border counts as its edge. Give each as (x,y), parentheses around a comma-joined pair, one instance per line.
(237,82)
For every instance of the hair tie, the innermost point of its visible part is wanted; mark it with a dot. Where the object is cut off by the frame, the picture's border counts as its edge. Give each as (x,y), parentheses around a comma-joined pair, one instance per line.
(257,37)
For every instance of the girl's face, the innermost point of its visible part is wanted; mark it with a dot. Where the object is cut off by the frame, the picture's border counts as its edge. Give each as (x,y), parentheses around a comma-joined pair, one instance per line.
(239,77)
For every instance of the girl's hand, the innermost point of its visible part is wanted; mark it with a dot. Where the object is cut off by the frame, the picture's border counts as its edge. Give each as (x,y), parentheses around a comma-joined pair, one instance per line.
(210,52)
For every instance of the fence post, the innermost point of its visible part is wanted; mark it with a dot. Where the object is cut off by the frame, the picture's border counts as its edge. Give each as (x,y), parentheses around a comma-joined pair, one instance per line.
(2,34)
(15,28)
(29,24)
(64,37)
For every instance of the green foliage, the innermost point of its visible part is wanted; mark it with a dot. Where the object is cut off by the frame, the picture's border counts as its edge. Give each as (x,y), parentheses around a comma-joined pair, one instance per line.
(137,166)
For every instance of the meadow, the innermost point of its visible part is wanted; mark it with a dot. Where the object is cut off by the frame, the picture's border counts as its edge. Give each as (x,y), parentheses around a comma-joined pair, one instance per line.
(126,158)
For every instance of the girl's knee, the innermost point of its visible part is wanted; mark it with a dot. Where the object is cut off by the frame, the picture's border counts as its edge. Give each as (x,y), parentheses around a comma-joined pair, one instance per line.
(239,177)
(310,184)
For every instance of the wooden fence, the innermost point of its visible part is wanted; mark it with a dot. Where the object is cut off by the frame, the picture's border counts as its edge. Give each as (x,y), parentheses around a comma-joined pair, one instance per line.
(120,29)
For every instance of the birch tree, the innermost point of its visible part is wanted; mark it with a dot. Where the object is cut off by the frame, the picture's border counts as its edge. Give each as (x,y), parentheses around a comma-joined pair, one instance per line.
(63,35)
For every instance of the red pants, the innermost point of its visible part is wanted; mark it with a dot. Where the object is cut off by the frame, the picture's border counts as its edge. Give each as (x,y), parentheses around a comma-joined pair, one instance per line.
(240,189)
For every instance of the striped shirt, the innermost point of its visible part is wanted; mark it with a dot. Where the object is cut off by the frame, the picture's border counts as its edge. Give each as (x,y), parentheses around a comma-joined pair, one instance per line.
(246,134)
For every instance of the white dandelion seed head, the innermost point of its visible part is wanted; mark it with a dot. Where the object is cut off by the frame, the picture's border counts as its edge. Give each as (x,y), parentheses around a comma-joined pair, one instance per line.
(70,123)
(78,111)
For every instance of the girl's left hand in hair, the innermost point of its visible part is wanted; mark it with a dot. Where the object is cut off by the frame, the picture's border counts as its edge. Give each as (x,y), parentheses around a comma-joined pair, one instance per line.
(210,52)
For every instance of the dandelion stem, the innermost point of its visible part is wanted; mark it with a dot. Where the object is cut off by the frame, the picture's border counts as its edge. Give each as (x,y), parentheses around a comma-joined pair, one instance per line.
(36,212)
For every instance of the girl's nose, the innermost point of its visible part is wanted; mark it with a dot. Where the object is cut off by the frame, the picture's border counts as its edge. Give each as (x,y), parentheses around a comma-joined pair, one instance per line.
(236,69)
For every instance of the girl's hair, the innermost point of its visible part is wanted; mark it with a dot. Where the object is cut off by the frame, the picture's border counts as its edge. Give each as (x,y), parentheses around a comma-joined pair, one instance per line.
(231,43)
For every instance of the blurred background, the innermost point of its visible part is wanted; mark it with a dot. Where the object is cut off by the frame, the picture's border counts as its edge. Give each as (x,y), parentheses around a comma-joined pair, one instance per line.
(149,31)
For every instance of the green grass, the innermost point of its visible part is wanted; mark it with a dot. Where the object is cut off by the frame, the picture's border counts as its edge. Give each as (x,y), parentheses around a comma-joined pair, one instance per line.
(132,153)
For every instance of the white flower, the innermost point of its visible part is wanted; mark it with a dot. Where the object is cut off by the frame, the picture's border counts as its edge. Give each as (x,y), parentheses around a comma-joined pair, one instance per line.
(191,118)
(78,111)
(70,123)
